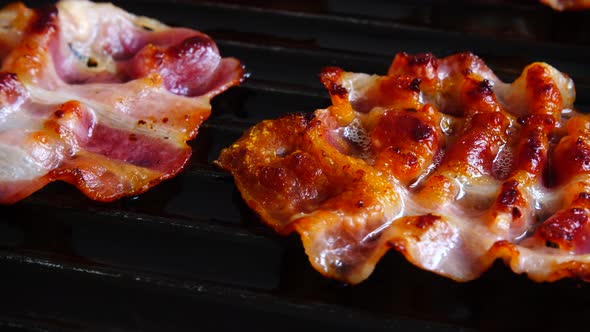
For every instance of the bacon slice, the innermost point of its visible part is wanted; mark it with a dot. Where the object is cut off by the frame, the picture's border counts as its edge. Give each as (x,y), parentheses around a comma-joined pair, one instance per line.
(438,159)
(562,5)
(100,98)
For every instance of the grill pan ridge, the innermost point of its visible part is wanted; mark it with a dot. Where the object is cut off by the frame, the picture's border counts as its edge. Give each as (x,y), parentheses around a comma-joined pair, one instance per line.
(189,255)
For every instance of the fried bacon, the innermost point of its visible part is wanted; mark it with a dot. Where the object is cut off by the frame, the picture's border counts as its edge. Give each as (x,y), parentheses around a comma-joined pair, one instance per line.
(439,160)
(100,98)
(562,5)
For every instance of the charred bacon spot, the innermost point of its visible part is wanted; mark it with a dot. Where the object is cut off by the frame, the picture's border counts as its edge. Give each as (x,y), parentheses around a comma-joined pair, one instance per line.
(91,63)
(45,20)
(537,121)
(516,213)
(427,220)
(508,197)
(337,90)
(582,153)
(577,211)
(146,28)
(550,244)
(549,121)
(8,80)
(415,84)
(532,153)
(411,110)
(308,116)
(485,87)
(533,147)
(70,108)
(10,88)
(59,113)
(420,59)
(411,159)
(422,131)
(330,76)
(298,159)
(509,194)
(165,120)
(563,227)
(156,57)
(360,204)
(545,88)
(141,122)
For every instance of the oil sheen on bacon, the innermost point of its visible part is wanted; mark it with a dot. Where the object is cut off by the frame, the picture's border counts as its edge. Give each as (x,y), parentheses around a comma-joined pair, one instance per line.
(439,160)
(100,98)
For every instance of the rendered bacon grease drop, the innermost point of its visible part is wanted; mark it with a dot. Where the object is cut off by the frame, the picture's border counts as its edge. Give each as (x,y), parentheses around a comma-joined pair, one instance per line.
(439,160)
(100,98)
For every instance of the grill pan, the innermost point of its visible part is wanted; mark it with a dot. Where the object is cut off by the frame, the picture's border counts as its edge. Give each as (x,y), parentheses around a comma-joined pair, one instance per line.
(188,255)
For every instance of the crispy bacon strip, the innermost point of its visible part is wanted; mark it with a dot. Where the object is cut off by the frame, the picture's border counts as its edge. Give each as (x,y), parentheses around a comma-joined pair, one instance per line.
(100,98)
(439,160)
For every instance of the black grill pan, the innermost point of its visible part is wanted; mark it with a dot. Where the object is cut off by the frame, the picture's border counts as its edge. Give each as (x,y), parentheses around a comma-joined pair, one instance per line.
(188,255)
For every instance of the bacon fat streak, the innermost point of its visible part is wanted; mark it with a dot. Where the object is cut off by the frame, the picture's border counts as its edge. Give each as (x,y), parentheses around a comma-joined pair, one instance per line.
(439,160)
(100,98)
